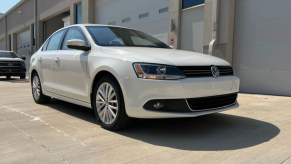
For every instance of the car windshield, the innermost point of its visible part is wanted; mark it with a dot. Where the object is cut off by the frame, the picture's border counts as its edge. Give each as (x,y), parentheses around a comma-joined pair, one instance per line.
(115,36)
(8,55)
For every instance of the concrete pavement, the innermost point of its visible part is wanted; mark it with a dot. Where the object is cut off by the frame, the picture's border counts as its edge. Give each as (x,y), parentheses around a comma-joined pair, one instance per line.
(59,132)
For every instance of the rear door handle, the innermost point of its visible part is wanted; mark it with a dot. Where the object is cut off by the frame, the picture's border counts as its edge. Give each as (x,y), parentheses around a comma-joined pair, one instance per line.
(40,59)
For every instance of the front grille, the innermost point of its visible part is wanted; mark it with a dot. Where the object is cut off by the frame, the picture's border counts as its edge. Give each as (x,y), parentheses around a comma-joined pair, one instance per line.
(205,71)
(9,64)
(213,102)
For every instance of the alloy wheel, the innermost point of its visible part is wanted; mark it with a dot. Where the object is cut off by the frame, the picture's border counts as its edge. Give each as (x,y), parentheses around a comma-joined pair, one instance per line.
(106,103)
(36,88)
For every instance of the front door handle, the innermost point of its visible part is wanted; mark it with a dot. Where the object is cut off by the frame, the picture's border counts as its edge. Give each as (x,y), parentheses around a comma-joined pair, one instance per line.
(57,60)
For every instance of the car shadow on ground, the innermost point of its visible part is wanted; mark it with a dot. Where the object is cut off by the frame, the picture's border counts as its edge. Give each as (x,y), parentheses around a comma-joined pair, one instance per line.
(213,132)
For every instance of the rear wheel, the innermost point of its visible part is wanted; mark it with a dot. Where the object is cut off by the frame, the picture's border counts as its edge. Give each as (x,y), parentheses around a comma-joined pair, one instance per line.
(37,94)
(8,77)
(108,104)
(22,76)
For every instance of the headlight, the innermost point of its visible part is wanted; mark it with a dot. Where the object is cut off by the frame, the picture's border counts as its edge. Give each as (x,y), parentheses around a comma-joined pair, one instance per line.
(159,72)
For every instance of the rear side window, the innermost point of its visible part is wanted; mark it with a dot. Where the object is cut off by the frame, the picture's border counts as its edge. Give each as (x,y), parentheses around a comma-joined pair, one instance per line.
(55,40)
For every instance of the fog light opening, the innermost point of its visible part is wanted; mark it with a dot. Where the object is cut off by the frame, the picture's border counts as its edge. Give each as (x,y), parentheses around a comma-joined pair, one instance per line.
(159,105)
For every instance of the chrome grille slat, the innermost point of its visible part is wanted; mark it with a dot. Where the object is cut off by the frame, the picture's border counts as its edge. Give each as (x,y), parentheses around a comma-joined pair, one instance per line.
(205,71)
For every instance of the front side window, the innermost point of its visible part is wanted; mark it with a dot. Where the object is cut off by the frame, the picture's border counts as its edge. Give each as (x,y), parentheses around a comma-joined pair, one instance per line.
(73,33)
(55,41)
(45,45)
(116,36)
(8,55)
(191,3)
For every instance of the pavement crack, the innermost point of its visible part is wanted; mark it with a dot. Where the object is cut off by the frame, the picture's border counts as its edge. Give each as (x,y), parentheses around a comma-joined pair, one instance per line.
(286,160)
(48,149)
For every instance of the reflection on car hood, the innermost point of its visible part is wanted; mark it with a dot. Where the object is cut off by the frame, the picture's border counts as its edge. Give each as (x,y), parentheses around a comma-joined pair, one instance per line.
(164,56)
(11,59)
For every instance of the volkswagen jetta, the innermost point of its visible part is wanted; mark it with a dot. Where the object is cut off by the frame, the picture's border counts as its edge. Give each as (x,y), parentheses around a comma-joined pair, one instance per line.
(124,73)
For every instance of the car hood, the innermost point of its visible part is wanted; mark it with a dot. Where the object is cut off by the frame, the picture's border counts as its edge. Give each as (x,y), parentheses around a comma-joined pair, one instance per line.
(11,59)
(164,56)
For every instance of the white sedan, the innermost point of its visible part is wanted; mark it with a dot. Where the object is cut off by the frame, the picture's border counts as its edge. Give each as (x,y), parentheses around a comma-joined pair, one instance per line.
(123,73)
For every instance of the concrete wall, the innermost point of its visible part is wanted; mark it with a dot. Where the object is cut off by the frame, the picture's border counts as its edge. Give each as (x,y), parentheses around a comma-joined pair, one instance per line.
(21,17)
(262,46)
(2,27)
(2,45)
(192,29)
(54,24)
(224,48)
(107,11)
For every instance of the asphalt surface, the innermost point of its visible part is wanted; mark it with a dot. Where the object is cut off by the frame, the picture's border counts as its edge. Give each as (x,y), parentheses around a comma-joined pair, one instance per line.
(259,131)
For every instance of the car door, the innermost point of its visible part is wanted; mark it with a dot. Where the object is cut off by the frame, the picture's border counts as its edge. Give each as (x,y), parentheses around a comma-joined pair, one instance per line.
(71,68)
(46,61)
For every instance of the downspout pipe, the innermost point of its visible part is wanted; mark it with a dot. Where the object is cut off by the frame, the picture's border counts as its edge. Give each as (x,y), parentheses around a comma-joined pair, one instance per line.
(215,17)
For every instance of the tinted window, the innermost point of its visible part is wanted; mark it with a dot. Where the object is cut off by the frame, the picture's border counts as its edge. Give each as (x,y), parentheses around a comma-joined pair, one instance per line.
(8,55)
(126,20)
(143,15)
(73,33)
(191,3)
(115,36)
(45,45)
(163,10)
(55,41)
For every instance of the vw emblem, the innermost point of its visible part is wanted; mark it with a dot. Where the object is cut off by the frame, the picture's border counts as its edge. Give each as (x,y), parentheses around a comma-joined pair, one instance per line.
(215,72)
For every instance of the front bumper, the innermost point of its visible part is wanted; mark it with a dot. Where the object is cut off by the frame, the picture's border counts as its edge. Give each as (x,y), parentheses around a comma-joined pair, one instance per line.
(137,92)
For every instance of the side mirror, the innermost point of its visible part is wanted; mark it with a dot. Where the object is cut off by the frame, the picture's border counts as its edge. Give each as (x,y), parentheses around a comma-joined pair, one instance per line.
(77,44)
(23,58)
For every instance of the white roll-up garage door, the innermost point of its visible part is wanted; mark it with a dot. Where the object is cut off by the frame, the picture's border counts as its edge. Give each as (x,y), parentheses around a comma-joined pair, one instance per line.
(23,46)
(262,46)
(2,45)
(127,13)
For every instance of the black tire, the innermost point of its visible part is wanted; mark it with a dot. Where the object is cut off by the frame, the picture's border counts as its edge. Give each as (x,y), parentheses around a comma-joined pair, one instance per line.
(43,99)
(22,76)
(8,77)
(121,119)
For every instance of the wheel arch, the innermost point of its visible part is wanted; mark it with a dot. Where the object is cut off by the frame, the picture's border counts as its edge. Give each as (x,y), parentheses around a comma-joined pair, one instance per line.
(99,75)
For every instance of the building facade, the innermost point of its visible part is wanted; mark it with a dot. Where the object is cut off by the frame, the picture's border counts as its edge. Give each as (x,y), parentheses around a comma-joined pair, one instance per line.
(253,35)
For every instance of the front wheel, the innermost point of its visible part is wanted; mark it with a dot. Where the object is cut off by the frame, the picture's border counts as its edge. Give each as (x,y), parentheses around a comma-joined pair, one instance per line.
(108,104)
(37,94)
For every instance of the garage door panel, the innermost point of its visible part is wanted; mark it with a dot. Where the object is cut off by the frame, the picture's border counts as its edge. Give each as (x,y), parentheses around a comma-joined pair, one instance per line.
(128,8)
(276,31)
(257,10)
(155,24)
(265,81)
(263,57)
(262,46)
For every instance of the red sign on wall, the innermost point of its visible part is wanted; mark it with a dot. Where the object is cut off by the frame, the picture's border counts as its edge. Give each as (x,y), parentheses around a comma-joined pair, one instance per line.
(172,41)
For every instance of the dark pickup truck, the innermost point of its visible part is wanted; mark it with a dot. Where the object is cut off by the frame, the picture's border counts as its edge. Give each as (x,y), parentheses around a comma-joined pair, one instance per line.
(12,65)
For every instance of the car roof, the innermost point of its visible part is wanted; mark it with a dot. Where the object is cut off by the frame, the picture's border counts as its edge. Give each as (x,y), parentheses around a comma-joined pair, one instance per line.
(88,24)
